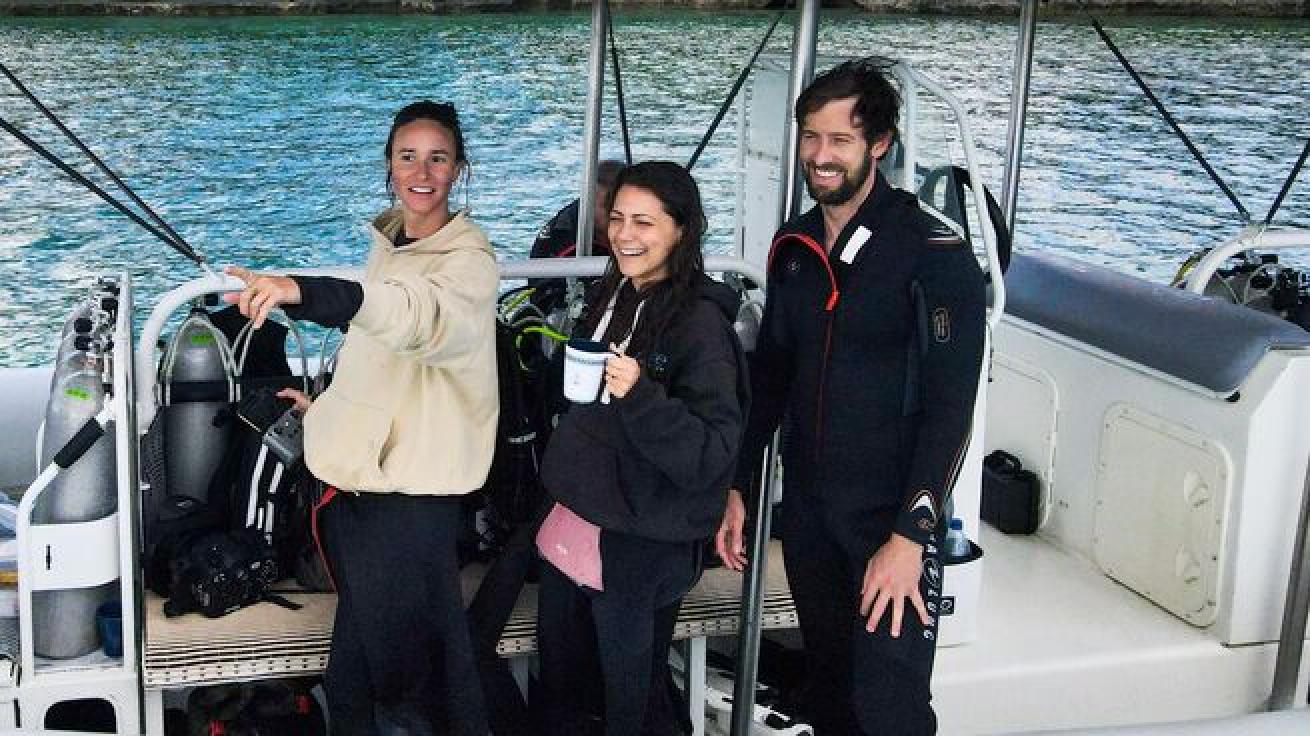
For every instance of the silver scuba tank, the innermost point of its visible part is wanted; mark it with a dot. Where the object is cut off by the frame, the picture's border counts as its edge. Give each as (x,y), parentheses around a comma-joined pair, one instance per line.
(747,324)
(194,444)
(63,622)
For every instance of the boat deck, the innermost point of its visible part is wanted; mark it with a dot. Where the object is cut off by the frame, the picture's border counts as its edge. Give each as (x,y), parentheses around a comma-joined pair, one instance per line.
(267,640)
(1061,645)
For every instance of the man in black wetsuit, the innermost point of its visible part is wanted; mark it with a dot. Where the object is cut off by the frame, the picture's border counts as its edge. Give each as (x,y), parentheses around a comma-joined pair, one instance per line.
(870,353)
(558,237)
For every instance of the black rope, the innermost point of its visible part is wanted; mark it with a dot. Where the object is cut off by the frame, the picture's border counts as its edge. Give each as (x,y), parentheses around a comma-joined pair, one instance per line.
(1170,120)
(80,179)
(1287,185)
(96,160)
(618,88)
(732,94)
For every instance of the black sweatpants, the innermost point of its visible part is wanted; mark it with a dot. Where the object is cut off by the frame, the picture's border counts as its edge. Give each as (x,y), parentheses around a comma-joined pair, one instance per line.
(856,682)
(619,637)
(401,661)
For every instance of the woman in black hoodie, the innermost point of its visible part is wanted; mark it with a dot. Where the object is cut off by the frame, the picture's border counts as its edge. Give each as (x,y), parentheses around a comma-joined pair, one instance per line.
(639,477)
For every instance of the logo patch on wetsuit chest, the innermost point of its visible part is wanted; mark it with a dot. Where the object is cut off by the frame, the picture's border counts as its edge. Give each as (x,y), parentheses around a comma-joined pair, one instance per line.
(941,324)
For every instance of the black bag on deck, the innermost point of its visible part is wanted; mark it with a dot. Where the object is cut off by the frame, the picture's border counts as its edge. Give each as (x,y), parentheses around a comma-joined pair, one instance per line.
(1010,494)
(256,708)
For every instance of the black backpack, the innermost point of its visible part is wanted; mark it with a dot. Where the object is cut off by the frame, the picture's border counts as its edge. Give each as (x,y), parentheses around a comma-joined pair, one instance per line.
(513,493)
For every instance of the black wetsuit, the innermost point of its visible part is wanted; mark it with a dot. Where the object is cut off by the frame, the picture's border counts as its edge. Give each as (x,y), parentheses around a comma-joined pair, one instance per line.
(558,239)
(870,356)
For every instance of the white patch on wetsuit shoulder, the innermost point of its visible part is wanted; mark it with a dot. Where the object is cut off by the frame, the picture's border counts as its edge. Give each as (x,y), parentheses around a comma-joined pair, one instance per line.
(856,242)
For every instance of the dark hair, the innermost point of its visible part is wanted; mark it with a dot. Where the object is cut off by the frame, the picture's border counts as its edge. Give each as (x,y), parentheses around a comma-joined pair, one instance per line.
(679,195)
(442,113)
(877,103)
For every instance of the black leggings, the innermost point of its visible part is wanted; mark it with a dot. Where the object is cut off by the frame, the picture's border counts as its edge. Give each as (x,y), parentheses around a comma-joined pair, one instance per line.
(856,682)
(401,661)
(619,638)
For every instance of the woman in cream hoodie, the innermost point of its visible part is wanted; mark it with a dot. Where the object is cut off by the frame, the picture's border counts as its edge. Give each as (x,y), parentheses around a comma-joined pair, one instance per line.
(406,428)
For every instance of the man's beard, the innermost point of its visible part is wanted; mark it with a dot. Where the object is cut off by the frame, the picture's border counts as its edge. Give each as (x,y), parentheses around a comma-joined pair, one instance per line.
(850,184)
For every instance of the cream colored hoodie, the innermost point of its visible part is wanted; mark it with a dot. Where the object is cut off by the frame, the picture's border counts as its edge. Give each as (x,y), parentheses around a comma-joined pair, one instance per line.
(413,404)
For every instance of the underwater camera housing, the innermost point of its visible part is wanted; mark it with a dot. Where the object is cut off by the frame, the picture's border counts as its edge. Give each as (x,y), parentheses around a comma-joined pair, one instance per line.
(281,428)
(220,572)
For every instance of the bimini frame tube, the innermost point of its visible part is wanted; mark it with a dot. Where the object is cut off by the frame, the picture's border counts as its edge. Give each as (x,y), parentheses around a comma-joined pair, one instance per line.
(1023,64)
(1292,637)
(750,624)
(600,11)
(804,41)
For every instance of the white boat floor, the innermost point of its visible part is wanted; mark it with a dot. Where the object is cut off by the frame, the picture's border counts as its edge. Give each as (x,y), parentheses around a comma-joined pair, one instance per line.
(1284,723)
(1061,645)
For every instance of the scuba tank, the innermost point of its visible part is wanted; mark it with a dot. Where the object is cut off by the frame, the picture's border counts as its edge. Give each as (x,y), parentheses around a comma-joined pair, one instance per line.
(747,325)
(195,435)
(63,622)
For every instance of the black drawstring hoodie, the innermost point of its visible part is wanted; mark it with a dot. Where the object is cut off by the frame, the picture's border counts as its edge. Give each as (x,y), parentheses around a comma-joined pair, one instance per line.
(657,463)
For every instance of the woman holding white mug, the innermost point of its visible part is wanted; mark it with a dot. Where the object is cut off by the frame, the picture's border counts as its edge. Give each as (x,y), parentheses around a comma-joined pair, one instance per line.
(640,475)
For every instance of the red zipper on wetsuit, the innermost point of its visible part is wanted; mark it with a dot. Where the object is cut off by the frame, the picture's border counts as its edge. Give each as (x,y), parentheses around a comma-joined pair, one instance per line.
(830,308)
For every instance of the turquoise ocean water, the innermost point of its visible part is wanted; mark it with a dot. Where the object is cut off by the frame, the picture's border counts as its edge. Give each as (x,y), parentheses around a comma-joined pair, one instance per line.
(260,138)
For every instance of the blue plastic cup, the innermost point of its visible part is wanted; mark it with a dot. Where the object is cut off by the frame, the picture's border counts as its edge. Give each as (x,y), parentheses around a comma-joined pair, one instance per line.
(109,622)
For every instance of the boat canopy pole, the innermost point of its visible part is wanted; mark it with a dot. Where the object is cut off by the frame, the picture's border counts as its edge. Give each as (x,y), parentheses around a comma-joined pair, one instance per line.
(591,131)
(732,93)
(804,41)
(78,177)
(618,89)
(750,622)
(1023,65)
(1292,637)
(1246,216)
(1287,185)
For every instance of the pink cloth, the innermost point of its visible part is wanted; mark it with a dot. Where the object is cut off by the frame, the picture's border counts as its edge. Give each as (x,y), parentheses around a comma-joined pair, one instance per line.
(572,545)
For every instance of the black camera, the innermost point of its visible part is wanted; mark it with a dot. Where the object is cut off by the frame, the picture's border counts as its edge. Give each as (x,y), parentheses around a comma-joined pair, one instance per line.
(218,572)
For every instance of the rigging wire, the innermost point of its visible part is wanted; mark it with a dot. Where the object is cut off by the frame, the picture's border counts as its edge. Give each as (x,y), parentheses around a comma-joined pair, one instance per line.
(173,234)
(618,88)
(732,94)
(1246,216)
(108,198)
(1287,185)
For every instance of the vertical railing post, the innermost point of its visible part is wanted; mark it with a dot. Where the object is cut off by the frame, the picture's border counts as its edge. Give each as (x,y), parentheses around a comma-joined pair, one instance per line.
(1023,64)
(804,42)
(1291,639)
(591,129)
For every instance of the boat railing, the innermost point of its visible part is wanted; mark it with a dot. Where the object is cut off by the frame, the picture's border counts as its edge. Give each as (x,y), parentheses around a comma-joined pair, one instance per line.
(147,356)
(62,556)
(919,79)
(1254,237)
